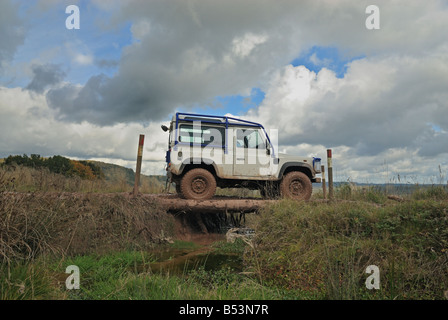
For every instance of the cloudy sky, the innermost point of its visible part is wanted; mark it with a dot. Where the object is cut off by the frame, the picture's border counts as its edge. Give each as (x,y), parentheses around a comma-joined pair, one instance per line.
(311,69)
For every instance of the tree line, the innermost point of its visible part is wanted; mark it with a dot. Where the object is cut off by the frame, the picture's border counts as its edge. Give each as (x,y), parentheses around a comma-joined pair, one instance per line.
(58,164)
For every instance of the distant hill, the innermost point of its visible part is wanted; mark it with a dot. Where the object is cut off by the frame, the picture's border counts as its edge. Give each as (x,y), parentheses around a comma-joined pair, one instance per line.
(117,173)
(88,169)
(114,172)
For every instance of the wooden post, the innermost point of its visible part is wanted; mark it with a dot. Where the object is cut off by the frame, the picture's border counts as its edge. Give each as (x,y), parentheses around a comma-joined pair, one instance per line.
(324,186)
(139,164)
(330,174)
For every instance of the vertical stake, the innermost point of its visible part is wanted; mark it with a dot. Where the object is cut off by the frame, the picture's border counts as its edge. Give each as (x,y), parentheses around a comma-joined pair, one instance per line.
(324,186)
(139,164)
(330,174)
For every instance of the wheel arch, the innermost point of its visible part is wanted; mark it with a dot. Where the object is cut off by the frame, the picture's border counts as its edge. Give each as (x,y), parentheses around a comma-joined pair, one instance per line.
(190,164)
(295,166)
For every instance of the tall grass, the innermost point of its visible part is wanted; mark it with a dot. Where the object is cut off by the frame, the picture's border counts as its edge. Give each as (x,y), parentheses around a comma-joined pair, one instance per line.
(26,179)
(380,194)
(64,224)
(325,248)
(27,281)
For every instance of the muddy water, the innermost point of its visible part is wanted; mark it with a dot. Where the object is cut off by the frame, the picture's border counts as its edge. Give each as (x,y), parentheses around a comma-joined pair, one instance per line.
(181,260)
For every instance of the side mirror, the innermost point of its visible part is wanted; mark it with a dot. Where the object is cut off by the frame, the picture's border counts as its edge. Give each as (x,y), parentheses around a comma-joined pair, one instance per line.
(164,128)
(268,149)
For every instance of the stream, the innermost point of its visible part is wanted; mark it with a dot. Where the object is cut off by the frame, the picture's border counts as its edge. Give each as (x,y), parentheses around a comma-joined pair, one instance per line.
(178,261)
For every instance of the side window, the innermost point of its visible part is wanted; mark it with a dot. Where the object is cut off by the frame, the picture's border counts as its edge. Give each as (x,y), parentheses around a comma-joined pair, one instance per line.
(204,135)
(188,135)
(248,138)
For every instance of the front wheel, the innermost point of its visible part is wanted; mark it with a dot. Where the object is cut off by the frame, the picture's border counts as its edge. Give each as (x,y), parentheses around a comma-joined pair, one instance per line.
(198,184)
(296,185)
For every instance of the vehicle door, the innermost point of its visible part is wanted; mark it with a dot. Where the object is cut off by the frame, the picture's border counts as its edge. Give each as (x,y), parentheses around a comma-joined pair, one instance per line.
(251,158)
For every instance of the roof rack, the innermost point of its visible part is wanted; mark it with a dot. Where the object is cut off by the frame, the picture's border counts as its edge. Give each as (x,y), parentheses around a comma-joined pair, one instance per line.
(215,119)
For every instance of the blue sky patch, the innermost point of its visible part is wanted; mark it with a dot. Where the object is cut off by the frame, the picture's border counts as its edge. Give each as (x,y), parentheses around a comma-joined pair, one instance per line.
(331,58)
(435,127)
(91,50)
(239,104)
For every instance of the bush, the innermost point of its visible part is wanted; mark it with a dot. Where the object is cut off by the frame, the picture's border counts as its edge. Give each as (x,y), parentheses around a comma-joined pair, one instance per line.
(81,170)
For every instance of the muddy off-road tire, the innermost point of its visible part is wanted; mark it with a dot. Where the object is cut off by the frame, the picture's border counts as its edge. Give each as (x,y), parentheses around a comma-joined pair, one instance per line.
(198,184)
(296,185)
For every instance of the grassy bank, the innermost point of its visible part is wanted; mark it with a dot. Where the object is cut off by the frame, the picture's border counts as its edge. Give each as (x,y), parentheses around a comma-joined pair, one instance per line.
(325,248)
(128,275)
(36,224)
(309,250)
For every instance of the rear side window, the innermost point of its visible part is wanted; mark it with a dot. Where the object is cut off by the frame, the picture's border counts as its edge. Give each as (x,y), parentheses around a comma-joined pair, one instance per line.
(202,134)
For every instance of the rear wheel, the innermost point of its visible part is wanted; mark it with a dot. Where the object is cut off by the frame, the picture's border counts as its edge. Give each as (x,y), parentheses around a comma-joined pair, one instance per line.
(198,184)
(296,185)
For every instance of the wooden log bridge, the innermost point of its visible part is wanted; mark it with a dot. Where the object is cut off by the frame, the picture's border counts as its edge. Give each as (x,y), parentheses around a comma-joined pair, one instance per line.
(169,202)
(173,203)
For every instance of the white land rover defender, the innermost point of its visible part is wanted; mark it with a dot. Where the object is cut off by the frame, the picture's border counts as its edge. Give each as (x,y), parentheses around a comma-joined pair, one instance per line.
(205,152)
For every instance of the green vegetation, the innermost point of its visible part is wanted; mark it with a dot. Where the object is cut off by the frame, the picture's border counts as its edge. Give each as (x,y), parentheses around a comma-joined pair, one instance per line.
(27,281)
(325,248)
(129,276)
(431,193)
(301,250)
(239,246)
(180,244)
(124,275)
